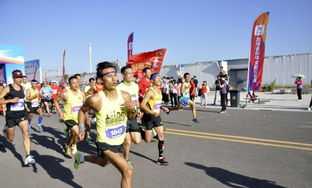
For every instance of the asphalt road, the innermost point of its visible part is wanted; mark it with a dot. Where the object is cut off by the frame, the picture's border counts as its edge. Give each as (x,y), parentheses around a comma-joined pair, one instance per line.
(241,148)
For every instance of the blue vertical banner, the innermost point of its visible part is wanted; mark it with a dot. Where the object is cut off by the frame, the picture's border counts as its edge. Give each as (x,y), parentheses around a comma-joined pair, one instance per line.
(33,70)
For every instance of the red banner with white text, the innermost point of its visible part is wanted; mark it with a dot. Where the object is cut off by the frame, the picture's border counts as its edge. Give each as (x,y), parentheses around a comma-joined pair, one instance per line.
(256,59)
(152,59)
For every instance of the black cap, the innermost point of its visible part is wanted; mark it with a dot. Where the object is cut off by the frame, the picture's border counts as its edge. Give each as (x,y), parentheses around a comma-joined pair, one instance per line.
(17,74)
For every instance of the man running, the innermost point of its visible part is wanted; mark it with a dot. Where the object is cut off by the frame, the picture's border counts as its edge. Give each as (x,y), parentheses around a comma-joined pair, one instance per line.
(88,90)
(111,106)
(151,105)
(73,99)
(33,104)
(144,83)
(133,130)
(185,99)
(13,96)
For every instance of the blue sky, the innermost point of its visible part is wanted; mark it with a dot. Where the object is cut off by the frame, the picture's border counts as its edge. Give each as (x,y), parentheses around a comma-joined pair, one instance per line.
(191,30)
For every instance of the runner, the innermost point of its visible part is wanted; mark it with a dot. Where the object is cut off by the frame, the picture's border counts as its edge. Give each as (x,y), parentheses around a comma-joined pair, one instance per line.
(133,130)
(73,99)
(46,96)
(151,105)
(144,83)
(33,104)
(88,90)
(2,112)
(111,106)
(55,93)
(185,99)
(13,96)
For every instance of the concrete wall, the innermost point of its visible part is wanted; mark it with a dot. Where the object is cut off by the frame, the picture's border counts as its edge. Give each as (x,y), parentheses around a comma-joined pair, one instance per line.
(279,68)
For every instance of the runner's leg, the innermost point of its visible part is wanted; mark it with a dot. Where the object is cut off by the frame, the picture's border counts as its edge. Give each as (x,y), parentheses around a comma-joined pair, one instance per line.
(26,141)
(121,164)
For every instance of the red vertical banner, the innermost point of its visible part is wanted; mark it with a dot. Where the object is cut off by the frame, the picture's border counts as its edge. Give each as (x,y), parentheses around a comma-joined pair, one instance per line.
(152,59)
(130,45)
(257,52)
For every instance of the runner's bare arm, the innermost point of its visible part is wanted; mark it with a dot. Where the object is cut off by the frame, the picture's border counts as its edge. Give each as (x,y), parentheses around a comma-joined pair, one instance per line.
(129,105)
(165,109)
(92,102)
(58,109)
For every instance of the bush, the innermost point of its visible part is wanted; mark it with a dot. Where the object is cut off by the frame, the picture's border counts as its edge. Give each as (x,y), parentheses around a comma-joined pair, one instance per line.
(272,86)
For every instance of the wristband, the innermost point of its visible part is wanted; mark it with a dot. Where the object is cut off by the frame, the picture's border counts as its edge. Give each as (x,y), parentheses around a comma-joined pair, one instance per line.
(82,127)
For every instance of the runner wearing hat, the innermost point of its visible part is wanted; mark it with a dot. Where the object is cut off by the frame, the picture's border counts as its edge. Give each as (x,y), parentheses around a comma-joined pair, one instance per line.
(13,96)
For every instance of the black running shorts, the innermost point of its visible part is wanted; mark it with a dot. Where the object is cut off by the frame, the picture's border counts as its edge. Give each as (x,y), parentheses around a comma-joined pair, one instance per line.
(150,121)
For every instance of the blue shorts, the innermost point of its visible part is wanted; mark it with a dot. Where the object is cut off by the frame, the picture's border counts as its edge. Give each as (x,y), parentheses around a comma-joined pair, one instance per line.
(184,100)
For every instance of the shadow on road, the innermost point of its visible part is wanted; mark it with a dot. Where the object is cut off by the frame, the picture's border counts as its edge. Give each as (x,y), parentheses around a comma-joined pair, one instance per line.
(178,123)
(61,140)
(48,142)
(12,149)
(232,179)
(52,165)
(143,156)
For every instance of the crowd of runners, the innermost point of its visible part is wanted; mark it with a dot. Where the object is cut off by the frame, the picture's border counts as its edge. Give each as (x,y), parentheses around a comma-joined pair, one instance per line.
(121,112)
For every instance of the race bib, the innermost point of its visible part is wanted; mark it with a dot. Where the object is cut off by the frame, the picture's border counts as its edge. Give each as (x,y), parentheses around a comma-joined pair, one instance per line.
(76,109)
(34,104)
(19,106)
(134,98)
(157,107)
(115,132)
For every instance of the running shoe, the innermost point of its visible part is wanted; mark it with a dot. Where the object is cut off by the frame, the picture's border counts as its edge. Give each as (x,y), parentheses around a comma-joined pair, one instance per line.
(78,159)
(29,160)
(40,128)
(2,147)
(195,120)
(162,161)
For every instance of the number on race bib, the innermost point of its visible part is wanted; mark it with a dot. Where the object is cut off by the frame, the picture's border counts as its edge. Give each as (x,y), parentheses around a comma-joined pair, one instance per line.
(76,108)
(115,132)
(35,104)
(19,106)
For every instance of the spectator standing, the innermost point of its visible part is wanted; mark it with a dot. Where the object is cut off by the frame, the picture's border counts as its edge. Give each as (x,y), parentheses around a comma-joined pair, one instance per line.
(299,85)
(223,93)
(204,90)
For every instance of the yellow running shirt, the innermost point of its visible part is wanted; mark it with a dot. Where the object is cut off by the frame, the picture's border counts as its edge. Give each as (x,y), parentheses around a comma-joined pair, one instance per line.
(33,93)
(111,120)
(72,105)
(186,89)
(155,102)
(132,88)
